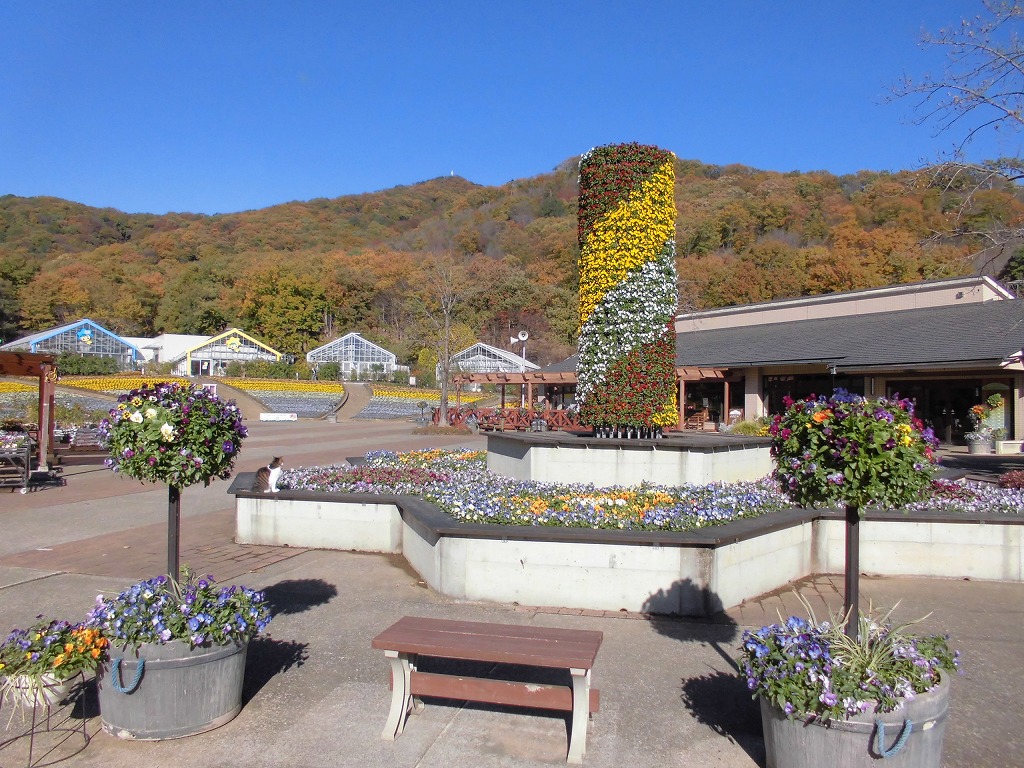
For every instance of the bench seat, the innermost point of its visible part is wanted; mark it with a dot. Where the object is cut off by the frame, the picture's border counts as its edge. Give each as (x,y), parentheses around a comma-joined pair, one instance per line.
(547,647)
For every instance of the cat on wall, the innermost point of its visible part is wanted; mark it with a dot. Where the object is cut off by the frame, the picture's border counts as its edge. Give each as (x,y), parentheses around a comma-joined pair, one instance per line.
(267,477)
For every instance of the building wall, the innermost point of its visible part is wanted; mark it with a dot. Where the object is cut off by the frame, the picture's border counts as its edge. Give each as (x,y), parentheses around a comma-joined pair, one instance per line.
(940,293)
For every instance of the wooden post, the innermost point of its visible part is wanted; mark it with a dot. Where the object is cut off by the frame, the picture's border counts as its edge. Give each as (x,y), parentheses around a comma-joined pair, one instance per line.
(173,532)
(682,405)
(47,379)
(852,581)
(724,417)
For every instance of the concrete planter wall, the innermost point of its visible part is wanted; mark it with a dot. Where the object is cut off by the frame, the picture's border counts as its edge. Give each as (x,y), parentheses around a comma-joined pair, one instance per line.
(694,573)
(696,459)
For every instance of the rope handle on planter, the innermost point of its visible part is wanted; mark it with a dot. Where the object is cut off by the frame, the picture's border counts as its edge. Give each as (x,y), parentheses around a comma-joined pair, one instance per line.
(901,742)
(115,676)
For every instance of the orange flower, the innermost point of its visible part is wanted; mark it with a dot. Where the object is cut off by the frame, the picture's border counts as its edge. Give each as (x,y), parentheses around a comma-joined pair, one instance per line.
(822,416)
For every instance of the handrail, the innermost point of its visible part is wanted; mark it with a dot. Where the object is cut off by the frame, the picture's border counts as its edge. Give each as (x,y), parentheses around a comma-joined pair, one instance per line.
(510,419)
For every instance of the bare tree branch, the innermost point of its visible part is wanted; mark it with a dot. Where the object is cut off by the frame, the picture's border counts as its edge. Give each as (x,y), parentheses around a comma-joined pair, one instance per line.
(981,89)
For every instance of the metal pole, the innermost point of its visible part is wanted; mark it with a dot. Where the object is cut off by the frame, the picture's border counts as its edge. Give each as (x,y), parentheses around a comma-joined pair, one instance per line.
(852,580)
(173,531)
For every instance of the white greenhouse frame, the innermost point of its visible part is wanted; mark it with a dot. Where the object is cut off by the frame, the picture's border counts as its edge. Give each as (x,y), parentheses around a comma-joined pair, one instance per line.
(357,357)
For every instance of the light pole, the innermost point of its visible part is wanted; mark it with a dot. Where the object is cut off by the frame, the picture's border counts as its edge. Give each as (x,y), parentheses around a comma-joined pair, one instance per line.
(522,336)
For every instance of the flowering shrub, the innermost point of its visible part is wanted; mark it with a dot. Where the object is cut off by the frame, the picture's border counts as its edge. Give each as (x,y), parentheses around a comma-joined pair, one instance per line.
(627,287)
(177,434)
(808,669)
(848,450)
(1013,479)
(52,647)
(196,611)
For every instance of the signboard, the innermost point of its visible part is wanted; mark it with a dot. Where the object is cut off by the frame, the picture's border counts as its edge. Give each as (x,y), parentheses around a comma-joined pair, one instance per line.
(279,417)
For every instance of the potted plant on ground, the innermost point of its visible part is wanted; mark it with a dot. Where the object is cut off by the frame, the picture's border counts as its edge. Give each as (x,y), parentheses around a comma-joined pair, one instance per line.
(176,660)
(851,451)
(177,434)
(829,699)
(982,439)
(40,663)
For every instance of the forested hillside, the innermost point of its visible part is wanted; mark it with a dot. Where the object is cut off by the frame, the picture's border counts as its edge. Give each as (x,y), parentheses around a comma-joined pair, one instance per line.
(301,273)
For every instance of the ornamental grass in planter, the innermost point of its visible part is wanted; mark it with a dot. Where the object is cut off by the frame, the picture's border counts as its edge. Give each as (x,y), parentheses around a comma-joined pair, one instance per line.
(830,696)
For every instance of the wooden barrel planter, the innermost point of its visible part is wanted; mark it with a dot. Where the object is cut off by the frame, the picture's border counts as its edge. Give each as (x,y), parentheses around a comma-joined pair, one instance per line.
(171,690)
(910,737)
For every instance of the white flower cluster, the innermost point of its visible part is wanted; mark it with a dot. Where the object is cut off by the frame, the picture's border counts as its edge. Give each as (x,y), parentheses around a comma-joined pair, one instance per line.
(631,314)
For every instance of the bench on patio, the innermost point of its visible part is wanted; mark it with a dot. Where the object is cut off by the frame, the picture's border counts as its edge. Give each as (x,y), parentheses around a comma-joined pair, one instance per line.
(553,648)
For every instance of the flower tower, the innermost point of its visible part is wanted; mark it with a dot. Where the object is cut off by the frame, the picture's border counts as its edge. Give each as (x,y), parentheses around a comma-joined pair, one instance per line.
(627,214)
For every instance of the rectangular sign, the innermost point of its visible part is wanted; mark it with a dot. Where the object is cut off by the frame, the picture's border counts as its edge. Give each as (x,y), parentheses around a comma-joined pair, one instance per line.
(279,417)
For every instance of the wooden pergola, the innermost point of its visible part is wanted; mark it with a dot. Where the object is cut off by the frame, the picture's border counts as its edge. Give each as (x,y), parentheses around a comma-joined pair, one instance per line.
(503,379)
(529,379)
(44,367)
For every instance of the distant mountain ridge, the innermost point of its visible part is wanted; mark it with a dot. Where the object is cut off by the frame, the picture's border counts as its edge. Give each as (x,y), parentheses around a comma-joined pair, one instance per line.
(297,273)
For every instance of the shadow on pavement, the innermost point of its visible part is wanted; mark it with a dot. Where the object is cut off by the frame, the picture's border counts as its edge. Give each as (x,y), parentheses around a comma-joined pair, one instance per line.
(298,595)
(268,657)
(719,700)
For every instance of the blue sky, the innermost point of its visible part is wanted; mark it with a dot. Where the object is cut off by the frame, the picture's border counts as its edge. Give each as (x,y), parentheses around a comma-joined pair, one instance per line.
(230,106)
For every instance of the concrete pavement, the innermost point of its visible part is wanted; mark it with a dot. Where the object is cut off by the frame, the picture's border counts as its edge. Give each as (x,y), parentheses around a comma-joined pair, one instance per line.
(317,694)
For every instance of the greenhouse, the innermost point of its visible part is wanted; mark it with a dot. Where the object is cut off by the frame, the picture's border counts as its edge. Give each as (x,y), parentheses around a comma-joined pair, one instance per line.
(83,337)
(211,357)
(483,358)
(357,358)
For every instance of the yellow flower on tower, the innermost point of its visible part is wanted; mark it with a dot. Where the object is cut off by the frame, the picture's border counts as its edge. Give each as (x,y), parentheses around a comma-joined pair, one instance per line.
(627,287)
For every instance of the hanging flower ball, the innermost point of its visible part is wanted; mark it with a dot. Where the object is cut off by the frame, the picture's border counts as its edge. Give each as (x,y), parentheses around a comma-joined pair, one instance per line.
(173,433)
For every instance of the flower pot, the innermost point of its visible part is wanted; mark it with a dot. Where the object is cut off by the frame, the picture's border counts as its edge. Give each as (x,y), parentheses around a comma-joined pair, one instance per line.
(180,691)
(980,446)
(43,690)
(911,736)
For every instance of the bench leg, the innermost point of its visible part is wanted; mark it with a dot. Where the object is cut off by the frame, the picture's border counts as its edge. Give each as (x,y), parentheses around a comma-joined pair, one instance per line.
(580,715)
(401,696)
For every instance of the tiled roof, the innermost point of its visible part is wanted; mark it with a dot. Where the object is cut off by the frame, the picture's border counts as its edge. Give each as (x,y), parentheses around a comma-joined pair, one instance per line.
(988,332)
(981,333)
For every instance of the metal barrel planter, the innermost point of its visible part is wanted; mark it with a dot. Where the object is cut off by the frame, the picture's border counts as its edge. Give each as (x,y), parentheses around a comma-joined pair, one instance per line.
(171,690)
(909,737)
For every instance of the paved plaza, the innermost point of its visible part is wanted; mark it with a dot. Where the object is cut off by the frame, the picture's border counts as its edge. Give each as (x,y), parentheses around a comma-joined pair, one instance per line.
(316,694)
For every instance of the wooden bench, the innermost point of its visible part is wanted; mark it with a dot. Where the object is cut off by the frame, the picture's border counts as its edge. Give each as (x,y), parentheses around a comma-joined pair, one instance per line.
(571,649)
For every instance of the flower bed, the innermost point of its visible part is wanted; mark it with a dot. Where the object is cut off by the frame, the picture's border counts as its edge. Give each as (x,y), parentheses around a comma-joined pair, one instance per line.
(307,399)
(459,484)
(12,441)
(388,401)
(117,384)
